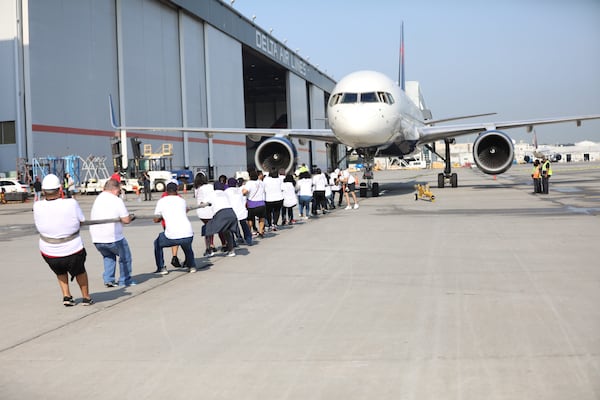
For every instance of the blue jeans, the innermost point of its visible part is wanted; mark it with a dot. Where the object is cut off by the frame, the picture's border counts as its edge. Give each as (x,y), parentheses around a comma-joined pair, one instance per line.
(185,243)
(109,252)
(246,231)
(304,204)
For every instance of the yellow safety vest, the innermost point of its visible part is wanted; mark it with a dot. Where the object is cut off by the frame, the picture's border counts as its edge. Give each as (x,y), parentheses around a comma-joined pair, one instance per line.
(547,168)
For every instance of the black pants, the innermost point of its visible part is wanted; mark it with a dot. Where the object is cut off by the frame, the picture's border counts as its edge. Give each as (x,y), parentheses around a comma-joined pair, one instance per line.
(537,185)
(319,201)
(545,184)
(273,210)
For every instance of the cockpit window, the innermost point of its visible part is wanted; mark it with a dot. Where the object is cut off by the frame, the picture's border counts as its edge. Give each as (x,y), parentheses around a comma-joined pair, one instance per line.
(335,99)
(349,98)
(369,97)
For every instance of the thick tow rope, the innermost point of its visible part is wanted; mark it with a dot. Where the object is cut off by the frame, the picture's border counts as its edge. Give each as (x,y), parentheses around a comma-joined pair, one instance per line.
(134,217)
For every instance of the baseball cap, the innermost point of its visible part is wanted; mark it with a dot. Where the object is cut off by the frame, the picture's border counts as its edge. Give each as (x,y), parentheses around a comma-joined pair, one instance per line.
(50,182)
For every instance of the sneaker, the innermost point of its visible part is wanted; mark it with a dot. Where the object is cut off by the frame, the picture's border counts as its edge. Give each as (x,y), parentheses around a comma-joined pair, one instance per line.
(163,271)
(356,206)
(231,254)
(87,302)
(209,253)
(175,262)
(132,283)
(292,222)
(191,270)
(111,284)
(274,228)
(348,207)
(68,301)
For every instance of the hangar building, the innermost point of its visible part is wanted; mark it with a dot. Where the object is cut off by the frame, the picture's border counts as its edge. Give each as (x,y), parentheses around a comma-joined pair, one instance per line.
(165,63)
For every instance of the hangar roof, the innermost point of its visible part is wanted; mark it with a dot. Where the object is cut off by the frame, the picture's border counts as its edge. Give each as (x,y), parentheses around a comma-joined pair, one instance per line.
(225,18)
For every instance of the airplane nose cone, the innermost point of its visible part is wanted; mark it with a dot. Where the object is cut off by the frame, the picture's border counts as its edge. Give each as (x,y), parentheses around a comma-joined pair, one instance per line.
(359,128)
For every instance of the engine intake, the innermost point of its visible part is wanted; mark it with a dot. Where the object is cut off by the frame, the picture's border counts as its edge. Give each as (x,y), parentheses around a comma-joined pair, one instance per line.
(493,152)
(275,153)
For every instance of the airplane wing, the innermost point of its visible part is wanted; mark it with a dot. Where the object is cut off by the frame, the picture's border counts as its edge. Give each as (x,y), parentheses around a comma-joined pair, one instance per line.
(430,134)
(325,135)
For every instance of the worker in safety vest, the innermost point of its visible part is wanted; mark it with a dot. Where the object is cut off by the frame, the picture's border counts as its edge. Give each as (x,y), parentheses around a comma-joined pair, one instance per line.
(546,174)
(536,174)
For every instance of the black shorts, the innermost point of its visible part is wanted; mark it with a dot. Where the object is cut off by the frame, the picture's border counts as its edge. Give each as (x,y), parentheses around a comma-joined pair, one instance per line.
(74,264)
(350,187)
(256,212)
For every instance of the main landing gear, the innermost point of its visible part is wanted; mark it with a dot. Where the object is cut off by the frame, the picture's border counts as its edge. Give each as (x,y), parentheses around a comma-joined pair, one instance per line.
(368,175)
(447,175)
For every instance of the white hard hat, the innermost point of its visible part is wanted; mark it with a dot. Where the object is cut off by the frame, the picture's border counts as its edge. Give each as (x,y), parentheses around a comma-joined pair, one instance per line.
(50,182)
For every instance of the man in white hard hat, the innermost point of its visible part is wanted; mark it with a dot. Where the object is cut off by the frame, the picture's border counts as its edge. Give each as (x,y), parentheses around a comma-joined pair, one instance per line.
(57,221)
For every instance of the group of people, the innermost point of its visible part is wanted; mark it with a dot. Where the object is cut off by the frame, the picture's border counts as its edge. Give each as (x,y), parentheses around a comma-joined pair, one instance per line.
(541,173)
(232,209)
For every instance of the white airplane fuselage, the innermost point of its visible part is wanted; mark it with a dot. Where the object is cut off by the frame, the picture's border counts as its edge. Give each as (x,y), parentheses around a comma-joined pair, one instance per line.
(369,110)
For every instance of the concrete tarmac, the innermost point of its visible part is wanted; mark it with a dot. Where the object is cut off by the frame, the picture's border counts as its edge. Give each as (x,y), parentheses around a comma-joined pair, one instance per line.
(489,292)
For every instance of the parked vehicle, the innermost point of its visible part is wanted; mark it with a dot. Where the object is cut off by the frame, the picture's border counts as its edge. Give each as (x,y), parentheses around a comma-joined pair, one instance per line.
(13,186)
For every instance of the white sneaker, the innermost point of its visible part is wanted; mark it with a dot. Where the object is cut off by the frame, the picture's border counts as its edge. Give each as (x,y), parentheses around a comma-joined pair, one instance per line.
(355,206)
(191,270)
(348,207)
(231,253)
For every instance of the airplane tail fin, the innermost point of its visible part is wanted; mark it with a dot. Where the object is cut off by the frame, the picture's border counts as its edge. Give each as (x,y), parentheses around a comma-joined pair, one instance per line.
(401,78)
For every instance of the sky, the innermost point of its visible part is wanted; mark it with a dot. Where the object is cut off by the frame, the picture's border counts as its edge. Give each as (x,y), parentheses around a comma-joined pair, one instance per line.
(519,58)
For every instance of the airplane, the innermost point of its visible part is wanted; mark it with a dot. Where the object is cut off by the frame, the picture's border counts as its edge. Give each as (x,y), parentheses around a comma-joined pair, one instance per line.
(542,151)
(373,115)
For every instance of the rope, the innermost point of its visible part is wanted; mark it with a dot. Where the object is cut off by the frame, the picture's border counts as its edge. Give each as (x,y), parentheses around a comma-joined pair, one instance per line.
(134,217)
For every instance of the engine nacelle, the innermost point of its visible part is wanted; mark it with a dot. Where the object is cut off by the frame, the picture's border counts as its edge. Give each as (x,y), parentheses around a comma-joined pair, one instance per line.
(275,153)
(493,152)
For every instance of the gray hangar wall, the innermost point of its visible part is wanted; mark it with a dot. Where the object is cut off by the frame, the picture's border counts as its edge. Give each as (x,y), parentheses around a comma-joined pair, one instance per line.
(163,66)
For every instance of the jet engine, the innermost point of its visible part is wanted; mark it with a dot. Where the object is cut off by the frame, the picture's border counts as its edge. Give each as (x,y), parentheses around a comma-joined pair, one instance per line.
(275,153)
(493,152)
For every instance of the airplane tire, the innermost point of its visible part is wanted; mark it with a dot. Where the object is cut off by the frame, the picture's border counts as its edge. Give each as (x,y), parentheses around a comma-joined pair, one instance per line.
(375,189)
(441,181)
(362,190)
(454,180)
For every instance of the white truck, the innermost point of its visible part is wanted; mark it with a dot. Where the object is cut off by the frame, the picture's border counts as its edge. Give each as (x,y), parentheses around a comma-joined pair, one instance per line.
(158,183)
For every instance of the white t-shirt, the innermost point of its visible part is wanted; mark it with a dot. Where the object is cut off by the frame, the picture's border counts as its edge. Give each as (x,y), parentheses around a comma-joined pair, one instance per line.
(219,201)
(57,219)
(256,190)
(237,201)
(173,210)
(203,194)
(107,205)
(335,186)
(319,182)
(347,177)
(273,188)
(304,187)
(289,195)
